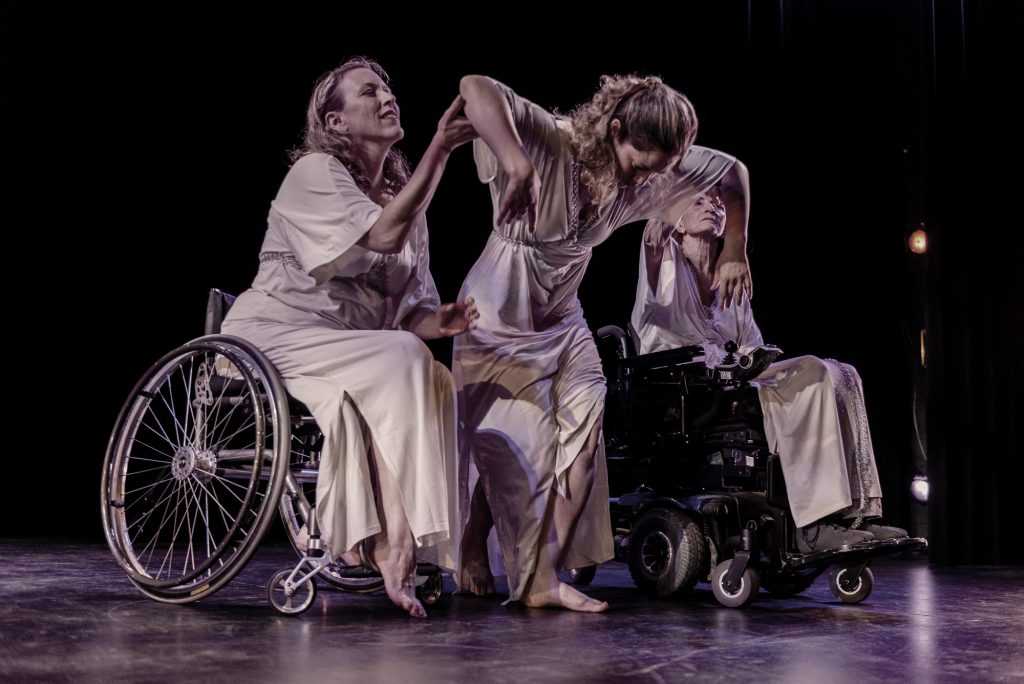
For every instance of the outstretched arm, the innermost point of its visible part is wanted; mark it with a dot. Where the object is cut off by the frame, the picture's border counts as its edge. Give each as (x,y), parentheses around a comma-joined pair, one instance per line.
(489,112)
(732,275)
(392,229)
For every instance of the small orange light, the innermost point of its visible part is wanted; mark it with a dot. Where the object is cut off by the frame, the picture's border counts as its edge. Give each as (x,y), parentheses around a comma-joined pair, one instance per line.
(918,242)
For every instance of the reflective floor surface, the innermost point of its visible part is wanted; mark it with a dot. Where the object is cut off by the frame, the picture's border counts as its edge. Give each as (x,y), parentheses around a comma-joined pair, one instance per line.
(69,614)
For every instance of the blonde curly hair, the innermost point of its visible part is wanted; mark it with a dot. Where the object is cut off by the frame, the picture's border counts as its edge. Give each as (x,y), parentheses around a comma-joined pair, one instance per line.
(652,116)
(317,137)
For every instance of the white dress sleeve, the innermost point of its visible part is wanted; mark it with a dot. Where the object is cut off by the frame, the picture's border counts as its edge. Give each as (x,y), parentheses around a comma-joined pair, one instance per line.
(697,172)
(327,212)
(537,128)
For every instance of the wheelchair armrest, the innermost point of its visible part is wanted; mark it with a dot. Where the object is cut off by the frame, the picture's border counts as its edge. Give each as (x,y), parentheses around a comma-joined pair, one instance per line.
(666,357)
(611,331)
(746,367)
(625,347)
(217,306)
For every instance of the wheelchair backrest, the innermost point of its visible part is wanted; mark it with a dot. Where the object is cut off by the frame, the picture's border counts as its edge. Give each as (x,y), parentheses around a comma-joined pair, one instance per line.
(217,306)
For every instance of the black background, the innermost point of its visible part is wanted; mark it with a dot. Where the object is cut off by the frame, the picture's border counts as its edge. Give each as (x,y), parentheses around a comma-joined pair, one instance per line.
(146,152)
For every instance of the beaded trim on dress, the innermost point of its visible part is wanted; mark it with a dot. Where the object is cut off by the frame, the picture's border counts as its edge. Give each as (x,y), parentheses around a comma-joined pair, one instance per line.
(850,393)
(286,258)
(576,230)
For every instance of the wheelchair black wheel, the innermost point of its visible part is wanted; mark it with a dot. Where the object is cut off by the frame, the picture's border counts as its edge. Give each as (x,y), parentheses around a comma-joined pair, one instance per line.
(194,468)
(291,508)
(848,589)
(739,596)
(431,590)
(302,597)
(582,577)
(781,584)
(666,552)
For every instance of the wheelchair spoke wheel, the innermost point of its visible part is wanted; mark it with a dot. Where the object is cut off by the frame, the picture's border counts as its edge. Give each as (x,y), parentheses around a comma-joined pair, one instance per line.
(191,471)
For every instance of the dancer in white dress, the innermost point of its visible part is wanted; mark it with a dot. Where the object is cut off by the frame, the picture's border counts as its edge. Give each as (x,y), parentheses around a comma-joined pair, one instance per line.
(814,415)
(529,378)
(339,304)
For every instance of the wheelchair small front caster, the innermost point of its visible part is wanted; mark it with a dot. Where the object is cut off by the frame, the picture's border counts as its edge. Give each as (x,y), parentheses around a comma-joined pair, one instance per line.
(850,588)
(430,591)
(582,577)
(291,598)
(735,596)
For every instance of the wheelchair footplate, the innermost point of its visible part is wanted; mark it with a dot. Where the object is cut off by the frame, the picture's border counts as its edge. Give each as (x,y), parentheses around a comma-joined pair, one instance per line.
(849,576)
(293,590)
(854,553)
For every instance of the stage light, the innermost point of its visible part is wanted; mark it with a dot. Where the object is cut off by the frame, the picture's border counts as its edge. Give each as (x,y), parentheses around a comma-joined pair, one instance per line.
(918,241)
(919,488)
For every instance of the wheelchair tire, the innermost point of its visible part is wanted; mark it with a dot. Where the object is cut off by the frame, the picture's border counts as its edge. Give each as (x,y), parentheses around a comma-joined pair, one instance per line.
(856,593)
(666,552)
(750,583)
(582,577)
(296,603)
(194,468)
(431,591)
(782,585)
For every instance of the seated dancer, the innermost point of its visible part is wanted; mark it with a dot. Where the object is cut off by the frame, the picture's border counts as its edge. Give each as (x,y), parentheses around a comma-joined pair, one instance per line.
(814,415)
(340,303)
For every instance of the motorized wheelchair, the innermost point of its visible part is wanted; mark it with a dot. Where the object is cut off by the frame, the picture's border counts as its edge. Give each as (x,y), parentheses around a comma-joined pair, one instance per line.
(697,494)
(205,450)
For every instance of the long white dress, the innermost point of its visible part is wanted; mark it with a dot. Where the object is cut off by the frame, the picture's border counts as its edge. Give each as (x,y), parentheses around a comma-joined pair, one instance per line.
(529,377)
(327,313)
(814,415)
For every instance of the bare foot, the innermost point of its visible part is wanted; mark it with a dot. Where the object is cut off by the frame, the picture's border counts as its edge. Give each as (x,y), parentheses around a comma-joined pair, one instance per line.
(564,596)
(398,570)
(403,594)
(351,557)
(302,538)
(474,575)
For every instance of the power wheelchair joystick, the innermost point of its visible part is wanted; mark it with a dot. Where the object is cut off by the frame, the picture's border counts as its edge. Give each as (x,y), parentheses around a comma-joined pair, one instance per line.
(738,369)
(730,356)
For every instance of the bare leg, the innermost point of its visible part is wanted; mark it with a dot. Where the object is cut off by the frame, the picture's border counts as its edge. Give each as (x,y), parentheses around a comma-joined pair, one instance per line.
(350,557)
(475,570)
(392,549)
(545,589)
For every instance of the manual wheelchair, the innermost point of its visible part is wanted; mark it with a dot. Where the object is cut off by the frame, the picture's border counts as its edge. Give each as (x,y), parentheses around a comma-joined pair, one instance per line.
(205,450)
(697,494)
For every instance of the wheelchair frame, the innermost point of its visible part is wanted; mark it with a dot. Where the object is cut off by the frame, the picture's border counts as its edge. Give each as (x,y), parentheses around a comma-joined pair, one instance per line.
(719,511)
(207,446)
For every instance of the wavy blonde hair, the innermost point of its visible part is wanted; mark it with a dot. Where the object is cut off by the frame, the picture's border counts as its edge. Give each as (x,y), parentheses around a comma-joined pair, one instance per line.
(317,137)
(652,116)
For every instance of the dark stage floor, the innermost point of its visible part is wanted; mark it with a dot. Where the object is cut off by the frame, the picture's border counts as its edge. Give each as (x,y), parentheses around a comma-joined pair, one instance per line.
(68,614)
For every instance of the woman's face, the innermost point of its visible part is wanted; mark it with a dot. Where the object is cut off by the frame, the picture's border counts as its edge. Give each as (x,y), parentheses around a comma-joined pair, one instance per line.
(633,166)
(705,217)
(370,113)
